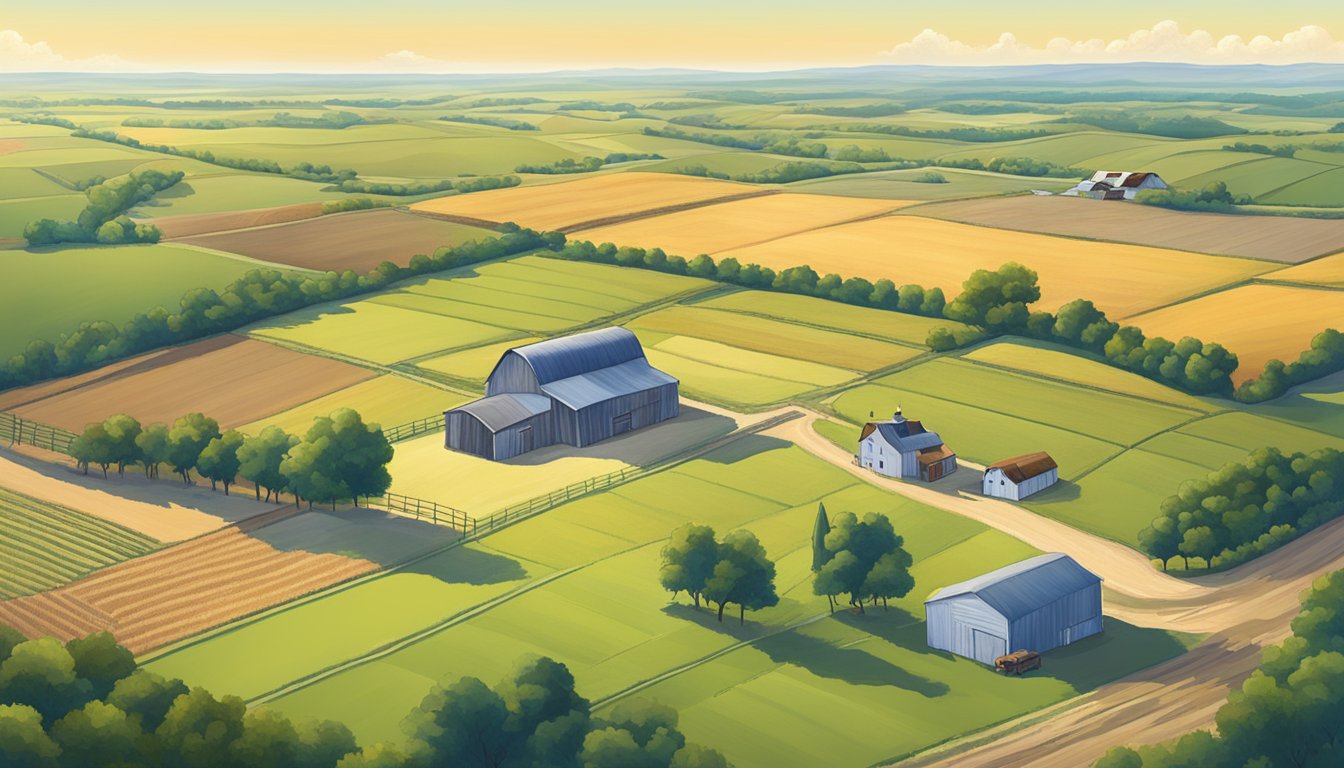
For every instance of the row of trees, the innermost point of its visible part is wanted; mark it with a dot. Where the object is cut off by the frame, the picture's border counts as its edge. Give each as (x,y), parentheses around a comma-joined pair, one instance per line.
(86,704)
(258,294)
(1213,197)
(101,220)
(587,164)
(1248,508)
(340,457)
(884,294)
(1324,357)
(496,122)
(999,302)
(735,570)
(1288,714)
(864,559)
(328,119)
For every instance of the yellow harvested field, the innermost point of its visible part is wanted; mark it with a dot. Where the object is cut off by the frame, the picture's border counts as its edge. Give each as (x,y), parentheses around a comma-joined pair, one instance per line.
(388,400)
(422,467)
(1121,279)
(586,201)
(1326,271)
(1258,322)
(738,223)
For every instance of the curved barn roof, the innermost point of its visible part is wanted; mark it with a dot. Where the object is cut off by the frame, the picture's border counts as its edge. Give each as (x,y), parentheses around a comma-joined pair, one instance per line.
(502,411)
(569,356)
(1021,588)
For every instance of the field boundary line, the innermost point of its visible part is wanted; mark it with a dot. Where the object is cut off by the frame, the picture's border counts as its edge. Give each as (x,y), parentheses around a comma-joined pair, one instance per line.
(816,326)
(608,221)
(855,220)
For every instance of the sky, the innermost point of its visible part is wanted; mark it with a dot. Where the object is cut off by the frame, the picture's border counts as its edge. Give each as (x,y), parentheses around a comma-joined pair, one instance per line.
(748,35)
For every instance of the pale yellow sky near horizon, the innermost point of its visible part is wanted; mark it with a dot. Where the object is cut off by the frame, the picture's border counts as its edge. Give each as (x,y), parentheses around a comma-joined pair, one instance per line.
(529,35)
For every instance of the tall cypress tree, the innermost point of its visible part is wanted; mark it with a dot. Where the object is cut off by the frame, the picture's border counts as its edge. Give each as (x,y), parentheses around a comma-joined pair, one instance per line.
(820,555)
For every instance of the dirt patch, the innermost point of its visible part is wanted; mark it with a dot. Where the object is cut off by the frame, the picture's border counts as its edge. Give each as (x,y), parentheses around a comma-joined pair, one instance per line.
(182,590)
(230,378)
(8,146)
(358,241)
(1276,238)
(201,223)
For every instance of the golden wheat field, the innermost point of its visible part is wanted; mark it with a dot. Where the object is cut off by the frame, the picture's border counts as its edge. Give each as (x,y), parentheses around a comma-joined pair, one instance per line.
(572,204)
(1258,322)
(1326,271)
(1121,279)
(738,223)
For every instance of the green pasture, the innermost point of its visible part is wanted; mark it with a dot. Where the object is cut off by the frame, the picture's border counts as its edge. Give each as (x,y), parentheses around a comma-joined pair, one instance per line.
(15,214)
(475,364)
(48,292)
(834,315)
(43,545)
(21,183)
(230,191)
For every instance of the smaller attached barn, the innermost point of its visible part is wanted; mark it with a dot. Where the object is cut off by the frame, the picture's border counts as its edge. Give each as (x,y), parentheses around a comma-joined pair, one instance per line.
(904,448)
(1038,604)
(1019,477)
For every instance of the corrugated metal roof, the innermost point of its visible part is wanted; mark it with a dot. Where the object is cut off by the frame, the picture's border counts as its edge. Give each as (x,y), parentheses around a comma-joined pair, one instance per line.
(502,411)
(605,383)
(1021,588)
(569,356)
(907,442)
(1024,467)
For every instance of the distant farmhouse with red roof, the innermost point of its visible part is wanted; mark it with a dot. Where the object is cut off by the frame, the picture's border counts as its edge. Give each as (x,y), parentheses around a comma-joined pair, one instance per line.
(1116,185)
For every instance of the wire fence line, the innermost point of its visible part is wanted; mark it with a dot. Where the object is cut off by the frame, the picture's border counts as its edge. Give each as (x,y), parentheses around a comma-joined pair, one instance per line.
(17,430)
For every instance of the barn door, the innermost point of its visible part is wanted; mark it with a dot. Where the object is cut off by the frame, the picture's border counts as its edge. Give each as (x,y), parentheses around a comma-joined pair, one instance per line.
(988,647)
(935,471)
(621,424)
(525,440)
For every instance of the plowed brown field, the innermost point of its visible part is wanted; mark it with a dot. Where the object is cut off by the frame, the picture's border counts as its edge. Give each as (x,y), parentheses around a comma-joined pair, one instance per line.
(201,223)
(183,590)
(229,378)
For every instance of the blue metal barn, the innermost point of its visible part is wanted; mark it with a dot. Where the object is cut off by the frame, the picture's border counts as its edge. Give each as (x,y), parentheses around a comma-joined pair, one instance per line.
(575,390)
(1038,604)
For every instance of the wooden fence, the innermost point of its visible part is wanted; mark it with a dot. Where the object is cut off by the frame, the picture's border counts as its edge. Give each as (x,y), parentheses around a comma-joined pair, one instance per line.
(413,428)
(423,509)
(16,430)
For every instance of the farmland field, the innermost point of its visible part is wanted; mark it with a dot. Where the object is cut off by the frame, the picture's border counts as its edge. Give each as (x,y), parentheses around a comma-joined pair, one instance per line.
(47,545)
(15,214)
(1121,279)
(388,400)
(359,241)
(1280,238)
(203,223)
(229,378)
(45,293)
(568,205)
(805,310)
(586,573)
(1327,271)
(719,227)
(901,185)
(1258,322)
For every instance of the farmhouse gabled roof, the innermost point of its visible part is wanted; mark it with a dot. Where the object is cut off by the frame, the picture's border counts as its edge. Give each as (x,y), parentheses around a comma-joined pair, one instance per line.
(1026,466)
(1022,588)
(502,411)
(569,356)
(903,435)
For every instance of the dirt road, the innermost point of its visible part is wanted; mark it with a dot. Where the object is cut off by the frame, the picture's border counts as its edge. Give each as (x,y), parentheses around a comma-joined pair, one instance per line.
(1244,610)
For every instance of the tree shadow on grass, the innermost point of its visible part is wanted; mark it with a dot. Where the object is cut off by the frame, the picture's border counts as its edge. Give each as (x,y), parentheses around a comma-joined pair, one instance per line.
(1063,491)
(745,448)
(462,565)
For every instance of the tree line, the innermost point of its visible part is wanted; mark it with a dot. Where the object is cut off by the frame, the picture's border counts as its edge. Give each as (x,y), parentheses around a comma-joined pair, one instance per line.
(1213,198)
(332,120)
(1324,357)
(258,294)
(1248,508)
(338,458)
(584,165)
(1286,715)
(102,221)
(496,122)
(87,704)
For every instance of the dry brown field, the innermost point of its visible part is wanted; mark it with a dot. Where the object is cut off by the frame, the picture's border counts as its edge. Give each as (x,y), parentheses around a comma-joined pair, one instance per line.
(201,223)
(181,591)
(230,378)
(360,240)
(1121,279)
(1258,322)
(738,223)
(1274,238)
(573,205)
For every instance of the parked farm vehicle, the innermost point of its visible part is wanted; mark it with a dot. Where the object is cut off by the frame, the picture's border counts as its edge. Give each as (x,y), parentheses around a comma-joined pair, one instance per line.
(1018,662)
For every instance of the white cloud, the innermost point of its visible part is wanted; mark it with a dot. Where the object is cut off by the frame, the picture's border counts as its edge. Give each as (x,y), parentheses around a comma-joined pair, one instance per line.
(1164,42)
(19,55)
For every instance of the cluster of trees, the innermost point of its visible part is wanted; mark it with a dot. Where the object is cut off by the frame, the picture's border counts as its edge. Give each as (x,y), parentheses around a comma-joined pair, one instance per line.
(796,147)
(710,121)
(382,102)
(884,294)
(698,169)
(1015,166)
(339,458)
(496,122)
(352,204)
(1213,197)
(101,221)
(86,704)
(1286,714)
(588,105)
(854,154)
(363,186)
(716,139)
(258,294)
(785,173)
(505,101)
(1248,508)
(866,110)
(1184,127)
(625,157)
(336,120)
(929,177)
(964,133)
(735,570)
(864,559)
(1324,357)
(998,301)
(1281,150)
(44,119)
(563,165)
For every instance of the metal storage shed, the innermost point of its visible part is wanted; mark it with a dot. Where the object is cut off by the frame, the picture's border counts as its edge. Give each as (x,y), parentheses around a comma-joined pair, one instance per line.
(594,385)
(1038,604)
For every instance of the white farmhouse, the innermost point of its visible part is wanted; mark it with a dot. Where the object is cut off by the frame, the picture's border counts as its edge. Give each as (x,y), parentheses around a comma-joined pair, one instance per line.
(903,448)
(1020,477)
(1116,185)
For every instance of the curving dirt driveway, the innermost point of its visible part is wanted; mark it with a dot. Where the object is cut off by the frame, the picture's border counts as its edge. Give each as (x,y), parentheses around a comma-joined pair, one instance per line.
(1243,609)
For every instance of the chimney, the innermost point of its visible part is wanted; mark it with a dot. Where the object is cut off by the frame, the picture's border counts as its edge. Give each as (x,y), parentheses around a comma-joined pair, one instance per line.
(897,417)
